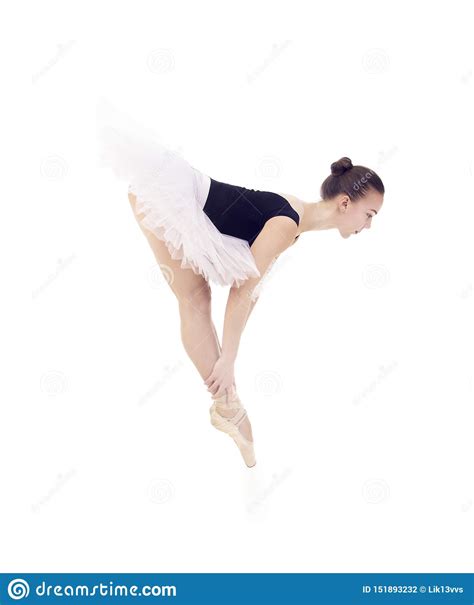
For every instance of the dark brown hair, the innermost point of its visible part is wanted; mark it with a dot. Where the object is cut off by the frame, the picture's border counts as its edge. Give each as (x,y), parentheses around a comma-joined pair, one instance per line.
(355,181)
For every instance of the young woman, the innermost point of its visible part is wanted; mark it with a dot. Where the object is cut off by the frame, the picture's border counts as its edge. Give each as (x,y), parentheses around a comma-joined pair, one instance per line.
(202,230)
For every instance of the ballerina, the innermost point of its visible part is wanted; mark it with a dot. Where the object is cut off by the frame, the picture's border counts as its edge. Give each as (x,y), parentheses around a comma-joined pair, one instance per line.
(202,230)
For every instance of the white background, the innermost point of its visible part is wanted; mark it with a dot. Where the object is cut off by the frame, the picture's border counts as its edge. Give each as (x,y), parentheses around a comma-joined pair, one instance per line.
(356,364)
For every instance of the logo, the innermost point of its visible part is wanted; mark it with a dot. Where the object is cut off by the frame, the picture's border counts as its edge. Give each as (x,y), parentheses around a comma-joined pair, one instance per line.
(18,589)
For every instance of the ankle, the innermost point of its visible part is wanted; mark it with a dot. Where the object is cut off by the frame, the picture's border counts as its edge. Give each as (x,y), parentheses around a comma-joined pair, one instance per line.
(230,400)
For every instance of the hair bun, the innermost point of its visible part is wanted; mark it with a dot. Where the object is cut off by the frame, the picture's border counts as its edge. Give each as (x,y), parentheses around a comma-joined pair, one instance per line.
(341,166)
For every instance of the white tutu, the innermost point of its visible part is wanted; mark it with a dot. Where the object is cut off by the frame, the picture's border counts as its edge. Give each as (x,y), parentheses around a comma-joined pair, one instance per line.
(171,194)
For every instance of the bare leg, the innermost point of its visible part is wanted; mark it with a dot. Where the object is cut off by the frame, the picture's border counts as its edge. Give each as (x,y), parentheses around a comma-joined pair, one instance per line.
(198,333)
(201,343)
(245,427)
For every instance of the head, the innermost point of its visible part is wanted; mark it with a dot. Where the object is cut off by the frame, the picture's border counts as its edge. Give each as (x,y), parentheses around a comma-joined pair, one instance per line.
(356,193)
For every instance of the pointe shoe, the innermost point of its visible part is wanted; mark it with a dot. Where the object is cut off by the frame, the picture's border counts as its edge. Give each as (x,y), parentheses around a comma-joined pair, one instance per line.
(231,425)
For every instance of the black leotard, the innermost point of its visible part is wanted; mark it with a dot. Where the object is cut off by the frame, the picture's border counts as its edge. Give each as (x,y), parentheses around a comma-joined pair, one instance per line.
(243,212)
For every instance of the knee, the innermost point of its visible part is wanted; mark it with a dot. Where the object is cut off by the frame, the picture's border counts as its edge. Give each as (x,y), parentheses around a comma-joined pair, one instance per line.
(197,301)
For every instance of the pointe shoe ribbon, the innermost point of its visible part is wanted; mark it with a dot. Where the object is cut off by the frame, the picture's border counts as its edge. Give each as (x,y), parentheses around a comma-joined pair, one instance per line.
(231,425)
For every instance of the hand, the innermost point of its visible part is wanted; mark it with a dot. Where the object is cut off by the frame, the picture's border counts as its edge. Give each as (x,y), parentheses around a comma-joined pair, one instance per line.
(221,378)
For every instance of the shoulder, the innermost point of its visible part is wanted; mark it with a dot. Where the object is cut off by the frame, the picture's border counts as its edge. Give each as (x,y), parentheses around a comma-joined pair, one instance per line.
(277,235)
(295,203)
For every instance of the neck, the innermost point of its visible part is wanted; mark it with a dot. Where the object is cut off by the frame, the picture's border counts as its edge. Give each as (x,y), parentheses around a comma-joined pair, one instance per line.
(318,216)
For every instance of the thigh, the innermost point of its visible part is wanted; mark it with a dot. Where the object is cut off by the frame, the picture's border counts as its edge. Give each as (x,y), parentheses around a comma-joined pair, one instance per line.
(185,284)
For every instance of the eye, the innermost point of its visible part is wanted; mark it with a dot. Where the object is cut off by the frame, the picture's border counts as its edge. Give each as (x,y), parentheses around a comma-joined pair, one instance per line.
(370,215)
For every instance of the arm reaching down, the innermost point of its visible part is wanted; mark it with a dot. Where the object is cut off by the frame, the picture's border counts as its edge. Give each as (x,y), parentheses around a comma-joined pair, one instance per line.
(275,237)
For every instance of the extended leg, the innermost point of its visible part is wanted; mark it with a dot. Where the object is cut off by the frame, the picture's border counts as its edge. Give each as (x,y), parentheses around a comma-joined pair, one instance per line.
(198,333)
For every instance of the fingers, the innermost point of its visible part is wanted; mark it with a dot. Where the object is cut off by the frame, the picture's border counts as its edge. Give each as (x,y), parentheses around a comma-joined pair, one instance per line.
(218,382)
(220,392)
(211,385)
(210,379)
(219,389)
(215,387)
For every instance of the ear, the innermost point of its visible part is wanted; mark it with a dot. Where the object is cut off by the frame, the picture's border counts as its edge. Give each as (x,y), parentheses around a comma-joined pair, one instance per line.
(343,203)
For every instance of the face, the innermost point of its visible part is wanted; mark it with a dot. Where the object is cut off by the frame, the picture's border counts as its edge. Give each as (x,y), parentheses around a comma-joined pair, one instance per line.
(354,217)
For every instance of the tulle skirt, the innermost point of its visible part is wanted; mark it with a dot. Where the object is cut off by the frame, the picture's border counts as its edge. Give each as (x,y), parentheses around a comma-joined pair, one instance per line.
(170,195)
